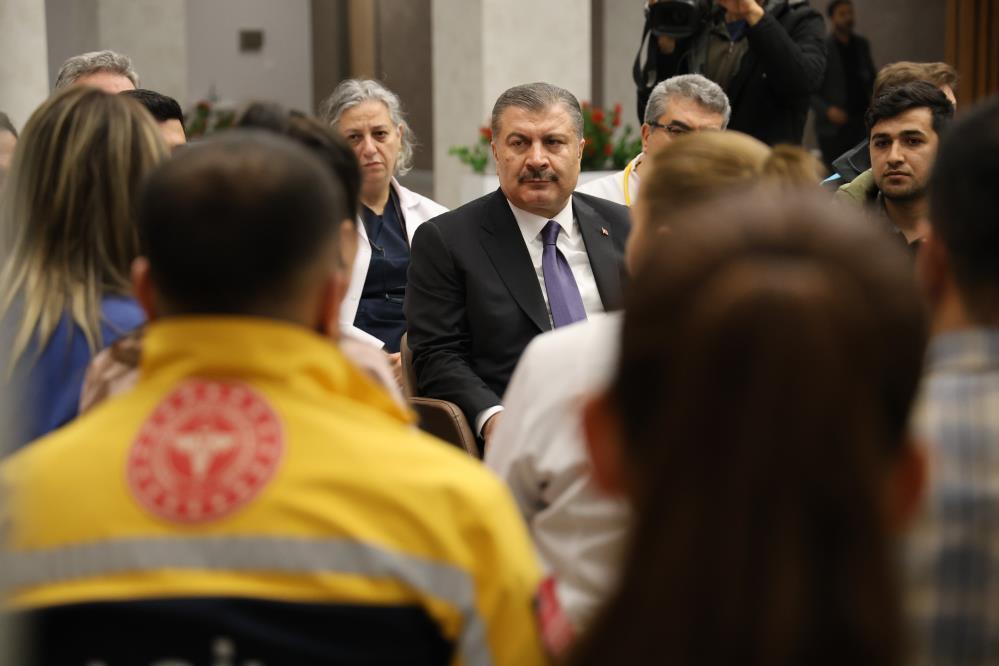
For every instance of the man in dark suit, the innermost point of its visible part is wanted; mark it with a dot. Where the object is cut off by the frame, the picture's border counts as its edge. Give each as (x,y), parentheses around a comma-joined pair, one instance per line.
(484,279)
(846,89)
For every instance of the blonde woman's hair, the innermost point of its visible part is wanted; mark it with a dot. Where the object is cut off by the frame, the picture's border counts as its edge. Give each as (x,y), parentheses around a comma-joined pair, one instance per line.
(698,167)
(793,167)
(66,218)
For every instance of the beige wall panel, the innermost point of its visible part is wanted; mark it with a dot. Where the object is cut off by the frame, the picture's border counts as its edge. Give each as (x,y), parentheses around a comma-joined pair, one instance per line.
(483,47)
(280,72)
(151,33)
(23,58)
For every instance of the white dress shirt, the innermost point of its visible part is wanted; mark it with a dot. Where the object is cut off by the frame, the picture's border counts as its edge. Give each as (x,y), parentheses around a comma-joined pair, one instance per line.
(570,242)
(620,187)
(538,451)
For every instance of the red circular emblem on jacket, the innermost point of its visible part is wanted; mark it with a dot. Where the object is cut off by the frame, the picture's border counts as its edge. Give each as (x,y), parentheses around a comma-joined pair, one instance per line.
(207,449)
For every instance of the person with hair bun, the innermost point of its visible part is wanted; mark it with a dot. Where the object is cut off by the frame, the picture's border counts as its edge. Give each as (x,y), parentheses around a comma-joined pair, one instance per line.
(68,229)
(756,424)
(791,166)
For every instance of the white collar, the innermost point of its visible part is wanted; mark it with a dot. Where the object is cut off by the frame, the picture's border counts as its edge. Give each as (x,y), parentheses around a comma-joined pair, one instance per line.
(531,224)
(405,198)
(638,159)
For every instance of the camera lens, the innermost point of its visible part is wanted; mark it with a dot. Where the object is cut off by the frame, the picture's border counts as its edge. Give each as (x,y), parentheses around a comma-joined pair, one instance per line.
(679,15)
(676,18)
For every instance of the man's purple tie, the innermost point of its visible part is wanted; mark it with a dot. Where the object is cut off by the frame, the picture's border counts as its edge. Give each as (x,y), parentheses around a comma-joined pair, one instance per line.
(563,295)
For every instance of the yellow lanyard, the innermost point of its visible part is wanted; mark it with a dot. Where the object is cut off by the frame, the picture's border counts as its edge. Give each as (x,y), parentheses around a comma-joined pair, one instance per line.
(627,177)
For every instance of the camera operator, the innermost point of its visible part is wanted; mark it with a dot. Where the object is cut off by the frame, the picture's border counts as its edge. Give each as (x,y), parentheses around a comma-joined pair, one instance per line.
(768,56)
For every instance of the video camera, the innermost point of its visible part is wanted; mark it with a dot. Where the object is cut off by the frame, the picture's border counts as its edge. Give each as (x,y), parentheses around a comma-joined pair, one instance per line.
(678,18)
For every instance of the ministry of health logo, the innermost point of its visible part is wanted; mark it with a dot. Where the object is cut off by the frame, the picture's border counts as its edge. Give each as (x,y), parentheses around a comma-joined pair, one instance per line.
(208,448)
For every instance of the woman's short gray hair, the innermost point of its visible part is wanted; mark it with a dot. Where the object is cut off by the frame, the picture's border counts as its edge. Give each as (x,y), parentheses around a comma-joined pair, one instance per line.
(352,92)
(95,61)
(694,87)
(538,97)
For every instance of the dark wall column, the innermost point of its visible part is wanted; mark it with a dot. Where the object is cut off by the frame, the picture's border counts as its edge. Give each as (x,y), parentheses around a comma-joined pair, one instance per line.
(902,29)
(404,63)
(330,47)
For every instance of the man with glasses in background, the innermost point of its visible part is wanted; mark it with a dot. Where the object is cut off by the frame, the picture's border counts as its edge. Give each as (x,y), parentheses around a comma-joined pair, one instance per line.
(677,106)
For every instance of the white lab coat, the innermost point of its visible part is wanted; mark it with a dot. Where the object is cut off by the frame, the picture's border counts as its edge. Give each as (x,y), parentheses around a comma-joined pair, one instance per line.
(538,450)
(612,187)
(416,210)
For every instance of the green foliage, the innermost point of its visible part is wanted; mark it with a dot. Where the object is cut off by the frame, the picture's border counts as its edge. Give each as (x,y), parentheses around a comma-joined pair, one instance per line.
(206,119)
(476,155)
(625,148)
(602,149)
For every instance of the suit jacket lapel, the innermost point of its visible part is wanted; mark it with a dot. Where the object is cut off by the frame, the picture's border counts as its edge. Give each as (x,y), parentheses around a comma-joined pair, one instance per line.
(503,242)
(604,259)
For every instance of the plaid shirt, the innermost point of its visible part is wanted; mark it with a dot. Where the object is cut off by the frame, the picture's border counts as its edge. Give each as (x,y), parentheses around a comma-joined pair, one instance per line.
(953,553)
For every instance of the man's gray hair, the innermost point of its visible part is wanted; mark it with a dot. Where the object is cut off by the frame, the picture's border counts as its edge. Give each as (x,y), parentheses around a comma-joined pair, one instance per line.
(352,92)
(538,97)
(695,87)
(95,61)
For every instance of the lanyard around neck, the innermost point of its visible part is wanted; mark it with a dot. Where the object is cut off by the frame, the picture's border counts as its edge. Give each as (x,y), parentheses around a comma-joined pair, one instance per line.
(627,177)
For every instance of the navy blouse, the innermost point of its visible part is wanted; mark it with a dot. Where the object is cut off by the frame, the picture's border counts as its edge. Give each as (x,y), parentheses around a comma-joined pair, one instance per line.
(380,310)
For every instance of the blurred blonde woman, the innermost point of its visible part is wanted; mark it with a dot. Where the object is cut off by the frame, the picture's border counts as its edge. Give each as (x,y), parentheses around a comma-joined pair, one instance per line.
(69,239)
(793,167)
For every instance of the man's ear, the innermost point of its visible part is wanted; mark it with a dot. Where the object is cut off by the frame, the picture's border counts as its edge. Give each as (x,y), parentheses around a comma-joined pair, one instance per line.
(602,431)
(143,288)
(646,133)
(582,144)
(908,480)
(492,146)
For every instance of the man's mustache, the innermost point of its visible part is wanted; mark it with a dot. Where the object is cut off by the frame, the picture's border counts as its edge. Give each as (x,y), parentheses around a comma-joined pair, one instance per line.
(537,174)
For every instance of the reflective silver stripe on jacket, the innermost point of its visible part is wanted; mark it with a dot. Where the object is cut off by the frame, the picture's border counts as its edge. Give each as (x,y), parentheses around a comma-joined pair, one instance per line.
(265,554)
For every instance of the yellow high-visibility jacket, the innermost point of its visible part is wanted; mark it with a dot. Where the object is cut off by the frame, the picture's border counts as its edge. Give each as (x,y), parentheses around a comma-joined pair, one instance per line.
(256,498)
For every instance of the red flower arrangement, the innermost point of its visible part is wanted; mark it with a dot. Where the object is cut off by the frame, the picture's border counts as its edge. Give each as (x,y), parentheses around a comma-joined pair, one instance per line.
(602,149)
(476,155)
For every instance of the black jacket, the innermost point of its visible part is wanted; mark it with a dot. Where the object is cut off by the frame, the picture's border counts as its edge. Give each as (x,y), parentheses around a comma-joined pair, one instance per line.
(834,85)
(784,65)
(852,163)
(473,300)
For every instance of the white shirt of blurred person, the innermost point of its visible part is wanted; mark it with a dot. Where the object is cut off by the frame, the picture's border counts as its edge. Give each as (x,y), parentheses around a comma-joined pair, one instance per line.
(369,117)
(677,106)
(538,447)
(107,70)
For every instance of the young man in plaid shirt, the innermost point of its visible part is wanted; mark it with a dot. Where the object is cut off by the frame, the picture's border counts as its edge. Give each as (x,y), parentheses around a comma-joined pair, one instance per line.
(954,552)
